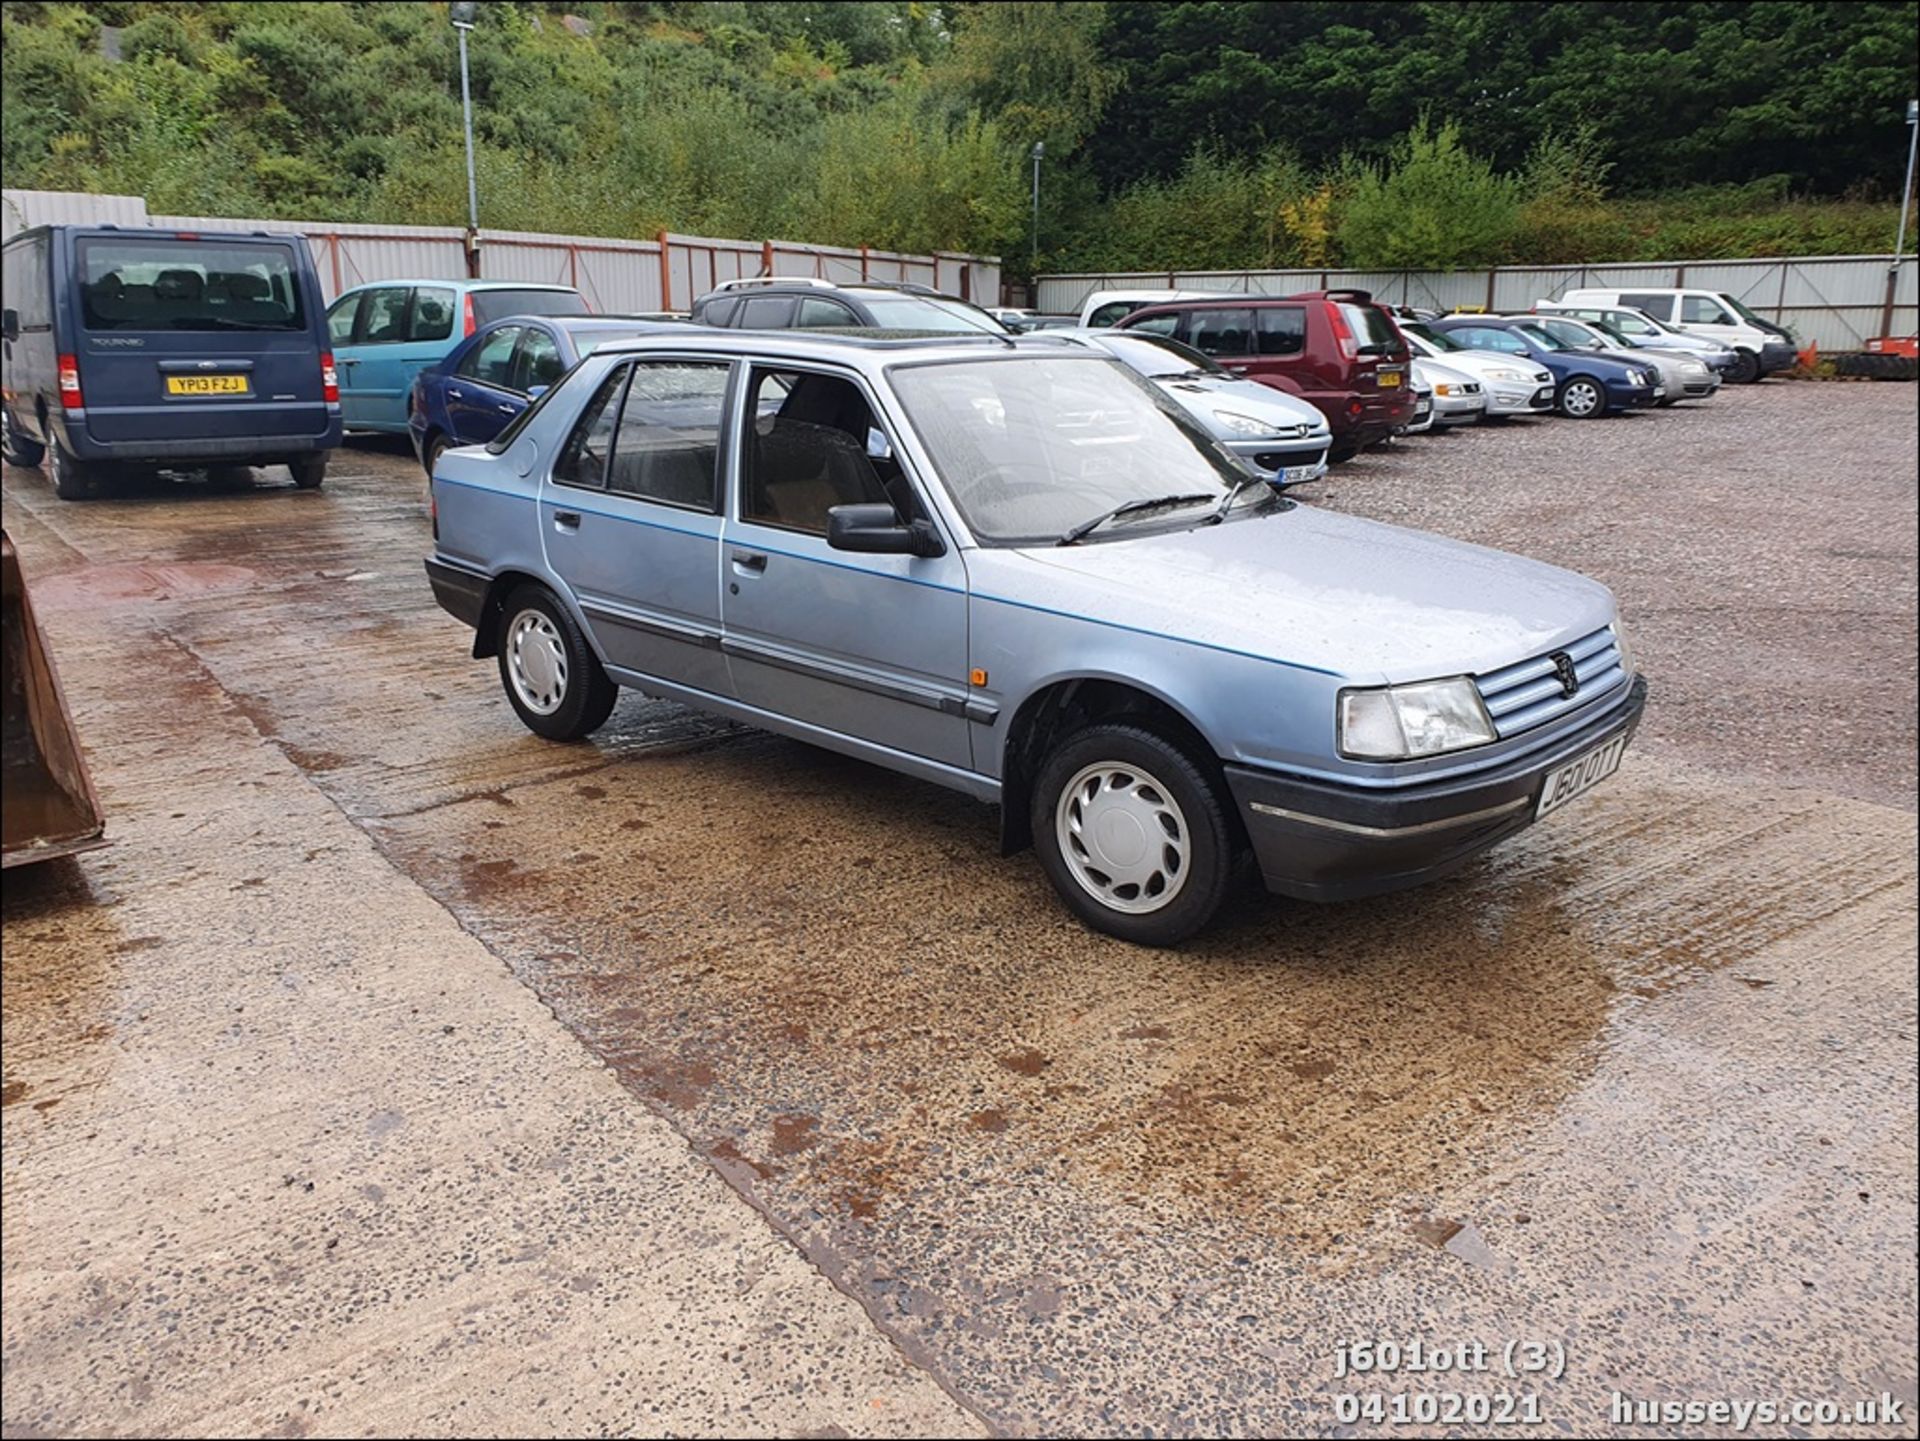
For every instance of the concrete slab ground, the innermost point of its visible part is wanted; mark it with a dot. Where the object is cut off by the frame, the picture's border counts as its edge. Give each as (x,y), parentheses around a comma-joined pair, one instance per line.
(693,1080)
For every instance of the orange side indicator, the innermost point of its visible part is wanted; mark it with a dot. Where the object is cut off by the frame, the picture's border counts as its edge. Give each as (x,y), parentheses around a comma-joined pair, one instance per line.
(977,677)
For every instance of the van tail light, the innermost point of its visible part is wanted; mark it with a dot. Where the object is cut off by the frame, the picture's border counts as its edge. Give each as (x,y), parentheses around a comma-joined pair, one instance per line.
(1343,334)
(329,379)
(467,327)
(70,383)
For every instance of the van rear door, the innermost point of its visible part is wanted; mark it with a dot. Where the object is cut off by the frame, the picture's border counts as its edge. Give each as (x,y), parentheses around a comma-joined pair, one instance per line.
(186,338)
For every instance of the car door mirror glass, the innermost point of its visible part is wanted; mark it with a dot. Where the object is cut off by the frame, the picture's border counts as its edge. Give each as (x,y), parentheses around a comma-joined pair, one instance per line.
(535,392)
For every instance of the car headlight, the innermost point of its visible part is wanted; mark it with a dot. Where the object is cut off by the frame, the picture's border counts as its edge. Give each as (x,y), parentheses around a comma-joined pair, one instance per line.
(1243,424)
(1400,722)
(1636,377)
(1502,373)
(1692,367)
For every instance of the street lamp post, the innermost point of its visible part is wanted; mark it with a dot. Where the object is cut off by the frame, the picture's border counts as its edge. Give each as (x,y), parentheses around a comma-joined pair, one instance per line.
(1039,153)
(463,16)
(1906,196)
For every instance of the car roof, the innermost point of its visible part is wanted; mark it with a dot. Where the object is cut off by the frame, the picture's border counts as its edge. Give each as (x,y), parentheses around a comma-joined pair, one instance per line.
(448,284)
(849,344)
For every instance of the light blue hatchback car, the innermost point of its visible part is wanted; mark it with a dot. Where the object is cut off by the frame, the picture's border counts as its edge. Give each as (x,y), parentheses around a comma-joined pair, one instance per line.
(1020,570)
(386,333)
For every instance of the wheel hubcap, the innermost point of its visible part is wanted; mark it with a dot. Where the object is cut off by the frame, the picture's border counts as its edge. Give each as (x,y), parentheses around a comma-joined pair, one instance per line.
(1123,837)
(1581,399)
(537,662)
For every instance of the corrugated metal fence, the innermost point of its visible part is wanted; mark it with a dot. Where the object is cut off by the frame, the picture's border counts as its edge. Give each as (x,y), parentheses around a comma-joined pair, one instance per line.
(1835,301)
(666,272)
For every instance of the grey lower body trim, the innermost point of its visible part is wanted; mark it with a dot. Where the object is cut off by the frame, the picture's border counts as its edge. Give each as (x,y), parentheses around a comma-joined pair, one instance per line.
(652,625)
(1447,823)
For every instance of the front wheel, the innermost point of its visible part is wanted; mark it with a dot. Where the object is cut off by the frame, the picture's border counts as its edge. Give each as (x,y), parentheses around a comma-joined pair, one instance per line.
(553,680)
(1747,372)
(15,447)
(309,470)
(1132,833)
(1582,398)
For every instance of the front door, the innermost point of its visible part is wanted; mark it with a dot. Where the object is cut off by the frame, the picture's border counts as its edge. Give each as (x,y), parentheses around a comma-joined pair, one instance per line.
(630,514)
(868,646)
(480,394)
(373,388)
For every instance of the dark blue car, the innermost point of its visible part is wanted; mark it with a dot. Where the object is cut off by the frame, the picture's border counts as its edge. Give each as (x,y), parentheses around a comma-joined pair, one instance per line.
(501,369)
(1587,383)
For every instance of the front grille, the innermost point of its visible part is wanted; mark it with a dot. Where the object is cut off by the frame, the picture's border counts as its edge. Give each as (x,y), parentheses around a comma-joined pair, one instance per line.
(1520,697)
(1281,459)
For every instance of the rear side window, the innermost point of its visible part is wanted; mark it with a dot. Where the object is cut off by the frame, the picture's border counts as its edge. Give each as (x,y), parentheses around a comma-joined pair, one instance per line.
(669,433)
(1283,330)
(540,362)
(583,460)
(492,305)
(766,312)
(1660,307)
(140,284)
(1221,332)
(383,319)
(719,311)
(432,315)
(825,313)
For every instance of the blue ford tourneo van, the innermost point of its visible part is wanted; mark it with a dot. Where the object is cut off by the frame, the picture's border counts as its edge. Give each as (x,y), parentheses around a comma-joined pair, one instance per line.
(128,347)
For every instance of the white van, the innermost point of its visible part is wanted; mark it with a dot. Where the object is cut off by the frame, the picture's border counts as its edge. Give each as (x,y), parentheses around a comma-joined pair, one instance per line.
(1108,307)
(1763,347)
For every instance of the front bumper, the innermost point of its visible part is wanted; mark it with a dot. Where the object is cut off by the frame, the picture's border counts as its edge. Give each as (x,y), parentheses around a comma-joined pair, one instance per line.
(1621,396)
(1324,842)
(1458,409)
(1268,458)
(1512,398)
(1777,356)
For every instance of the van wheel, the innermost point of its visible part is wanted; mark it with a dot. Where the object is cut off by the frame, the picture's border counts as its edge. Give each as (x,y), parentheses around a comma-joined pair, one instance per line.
(308,471)
(1747,372)
(1582,398)
(552,677)
(72,479)
(15,447)
(1131,831)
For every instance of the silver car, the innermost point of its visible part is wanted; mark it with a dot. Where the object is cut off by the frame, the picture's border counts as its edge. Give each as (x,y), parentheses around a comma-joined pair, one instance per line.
(1684,376)
(1457,397)
(1639,328)
(1280,438)
(1512,385)
(1015,568)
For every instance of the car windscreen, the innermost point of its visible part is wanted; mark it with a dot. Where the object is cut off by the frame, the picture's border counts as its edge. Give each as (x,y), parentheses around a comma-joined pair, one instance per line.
(492,305)
(174,284)
(1743,312)
(1371,327)
(1540,337)
(1031,446)
(923,312)
(1158,356)
(1438,339)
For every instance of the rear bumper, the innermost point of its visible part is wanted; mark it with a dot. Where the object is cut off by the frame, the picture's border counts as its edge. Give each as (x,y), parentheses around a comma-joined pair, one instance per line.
(461,593)
(222,449)
(1324,842)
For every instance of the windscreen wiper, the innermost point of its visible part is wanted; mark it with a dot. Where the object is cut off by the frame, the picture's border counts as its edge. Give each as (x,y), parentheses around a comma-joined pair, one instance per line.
(1132,507)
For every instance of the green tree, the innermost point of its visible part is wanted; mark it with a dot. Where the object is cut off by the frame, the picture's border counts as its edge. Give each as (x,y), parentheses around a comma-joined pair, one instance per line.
(1432,205)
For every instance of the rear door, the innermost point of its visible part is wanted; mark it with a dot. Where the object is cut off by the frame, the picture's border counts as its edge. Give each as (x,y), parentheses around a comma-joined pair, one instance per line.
(764,312)
(197,338)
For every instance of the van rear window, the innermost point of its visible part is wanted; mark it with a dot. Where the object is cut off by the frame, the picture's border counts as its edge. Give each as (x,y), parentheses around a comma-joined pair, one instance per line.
(492,305)
(140,284)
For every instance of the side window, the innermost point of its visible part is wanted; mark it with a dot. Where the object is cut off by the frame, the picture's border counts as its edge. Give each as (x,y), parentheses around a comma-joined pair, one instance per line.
(491,362)
(822,313)
(1703,310)
(1112,313)
(583,459)
(539,362)
(1221,332)
(340,318)
(766,312)
(1166,325)
(1283,330)
(669,433)
(1624,321)
(809,453)
(1490,339)
(432,316)
(720,312)
(1660,307)
(383,319)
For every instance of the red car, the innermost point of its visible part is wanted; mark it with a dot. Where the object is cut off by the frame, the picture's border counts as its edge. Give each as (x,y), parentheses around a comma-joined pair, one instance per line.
(1335,349)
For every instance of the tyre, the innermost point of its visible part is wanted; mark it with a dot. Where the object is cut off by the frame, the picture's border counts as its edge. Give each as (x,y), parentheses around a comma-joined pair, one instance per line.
(1132,833)
(1581,398)
(72,479)
(16,448)
(1747,372)
(552,677)
(1341,454)
(437,446)
(309,470)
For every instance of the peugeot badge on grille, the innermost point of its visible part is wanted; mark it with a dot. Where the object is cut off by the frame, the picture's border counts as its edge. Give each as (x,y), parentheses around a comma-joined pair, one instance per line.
(1569,677)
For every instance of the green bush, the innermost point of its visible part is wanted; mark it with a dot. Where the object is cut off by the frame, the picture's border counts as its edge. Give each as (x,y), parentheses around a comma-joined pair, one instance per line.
(1432,206)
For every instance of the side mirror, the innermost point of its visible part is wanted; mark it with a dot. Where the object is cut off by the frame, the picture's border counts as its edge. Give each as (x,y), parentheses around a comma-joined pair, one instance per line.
(10,323)
(876,530)
(538,391)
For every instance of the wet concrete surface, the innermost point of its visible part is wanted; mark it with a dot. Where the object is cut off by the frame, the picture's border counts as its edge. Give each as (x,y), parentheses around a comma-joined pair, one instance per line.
(1640,1084)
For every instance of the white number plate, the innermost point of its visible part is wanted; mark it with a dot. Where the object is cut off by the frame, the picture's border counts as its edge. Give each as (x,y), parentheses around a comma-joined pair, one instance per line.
(1577,777)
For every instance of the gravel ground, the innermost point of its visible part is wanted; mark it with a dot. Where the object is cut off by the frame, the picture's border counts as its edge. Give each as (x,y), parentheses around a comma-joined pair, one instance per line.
(1762,545)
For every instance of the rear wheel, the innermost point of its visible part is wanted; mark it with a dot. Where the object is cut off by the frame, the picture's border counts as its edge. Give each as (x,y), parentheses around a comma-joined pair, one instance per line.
(1747,372)
(1582,398)
(15,447)
(1132,833)
(73,479)
(437,446)
(309,470)
(553,680)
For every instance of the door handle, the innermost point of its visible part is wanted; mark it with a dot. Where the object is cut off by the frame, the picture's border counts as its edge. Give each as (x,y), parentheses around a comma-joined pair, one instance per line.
(566,520)
(504,409)
(348,362)
(453,394)
(749,560)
